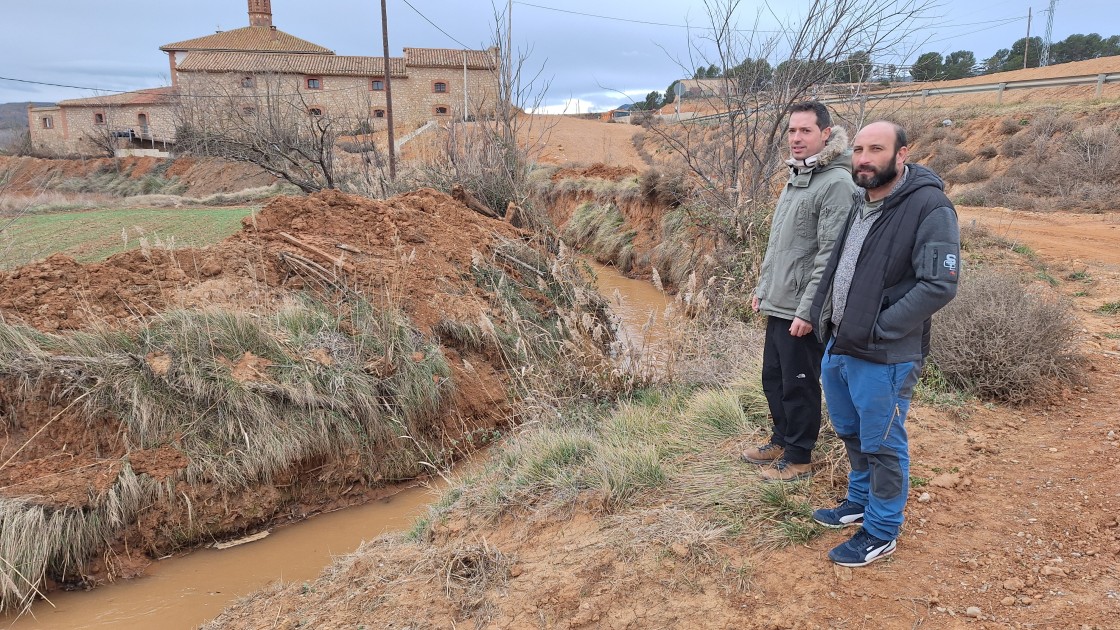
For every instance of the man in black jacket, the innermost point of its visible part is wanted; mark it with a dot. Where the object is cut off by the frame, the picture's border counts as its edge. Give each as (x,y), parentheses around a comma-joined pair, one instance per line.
(898,265)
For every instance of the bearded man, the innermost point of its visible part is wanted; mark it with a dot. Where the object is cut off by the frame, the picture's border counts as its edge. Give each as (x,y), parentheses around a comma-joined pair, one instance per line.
(898,265)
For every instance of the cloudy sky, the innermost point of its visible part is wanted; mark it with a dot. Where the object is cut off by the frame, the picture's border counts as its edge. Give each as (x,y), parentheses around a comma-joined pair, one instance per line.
(592,54)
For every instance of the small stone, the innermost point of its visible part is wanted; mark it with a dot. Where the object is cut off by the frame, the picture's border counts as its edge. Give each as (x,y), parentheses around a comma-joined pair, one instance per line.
(1052,570)
(1111,435)
(679,550)
(1014,584)
(1008,601)
(516,570)
(972,611)
(924,498)
(1052,449)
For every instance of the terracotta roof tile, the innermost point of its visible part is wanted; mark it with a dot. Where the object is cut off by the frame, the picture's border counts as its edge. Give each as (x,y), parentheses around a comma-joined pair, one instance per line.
(450,58)
(250,39)
(153,96)
(320,65)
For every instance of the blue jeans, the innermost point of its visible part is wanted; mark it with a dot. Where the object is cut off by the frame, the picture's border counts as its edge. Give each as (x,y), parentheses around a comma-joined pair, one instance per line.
(868,403)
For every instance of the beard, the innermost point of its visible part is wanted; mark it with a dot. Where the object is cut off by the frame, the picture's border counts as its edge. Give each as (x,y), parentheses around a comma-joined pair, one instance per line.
(877,177)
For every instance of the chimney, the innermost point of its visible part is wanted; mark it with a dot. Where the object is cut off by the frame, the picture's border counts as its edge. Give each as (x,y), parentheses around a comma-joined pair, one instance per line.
(260,13)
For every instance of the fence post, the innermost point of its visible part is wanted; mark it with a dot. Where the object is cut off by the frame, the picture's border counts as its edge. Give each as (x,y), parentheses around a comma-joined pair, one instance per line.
(1100,85)
(999,94)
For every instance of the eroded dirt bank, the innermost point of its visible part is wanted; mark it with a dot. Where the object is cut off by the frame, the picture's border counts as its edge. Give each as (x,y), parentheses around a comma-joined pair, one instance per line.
(165,398)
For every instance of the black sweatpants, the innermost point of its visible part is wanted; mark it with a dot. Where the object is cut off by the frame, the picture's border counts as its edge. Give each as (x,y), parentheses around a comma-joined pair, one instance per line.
(791,380)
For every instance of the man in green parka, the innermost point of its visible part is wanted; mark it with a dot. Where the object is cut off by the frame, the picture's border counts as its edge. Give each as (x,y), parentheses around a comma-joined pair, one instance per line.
(810,214)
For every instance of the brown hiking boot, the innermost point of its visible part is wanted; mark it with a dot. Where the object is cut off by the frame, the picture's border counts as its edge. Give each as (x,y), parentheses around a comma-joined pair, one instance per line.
(763,455)
(784,470)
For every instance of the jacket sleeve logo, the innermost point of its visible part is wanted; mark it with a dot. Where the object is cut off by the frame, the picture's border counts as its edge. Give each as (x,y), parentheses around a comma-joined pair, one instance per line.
(951,263)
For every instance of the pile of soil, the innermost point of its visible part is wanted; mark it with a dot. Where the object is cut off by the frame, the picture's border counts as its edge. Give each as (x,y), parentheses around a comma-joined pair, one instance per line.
(413,252)
(415,248)
(597,171)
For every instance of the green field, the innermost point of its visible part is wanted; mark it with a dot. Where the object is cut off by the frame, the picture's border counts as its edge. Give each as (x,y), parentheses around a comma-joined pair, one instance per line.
(93,235)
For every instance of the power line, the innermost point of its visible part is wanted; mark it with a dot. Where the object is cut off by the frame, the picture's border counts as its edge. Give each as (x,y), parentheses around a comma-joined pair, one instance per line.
(618,19)
(1000,21)
(979,30)
(452,38)
(62,85)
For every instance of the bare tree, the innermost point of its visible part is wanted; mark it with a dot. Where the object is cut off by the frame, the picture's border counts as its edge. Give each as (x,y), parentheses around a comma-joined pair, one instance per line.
(107,133)
(275,126)
(831,36)
(489,150)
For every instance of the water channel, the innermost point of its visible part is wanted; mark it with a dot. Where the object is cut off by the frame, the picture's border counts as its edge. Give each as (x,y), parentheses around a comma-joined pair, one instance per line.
(184,592)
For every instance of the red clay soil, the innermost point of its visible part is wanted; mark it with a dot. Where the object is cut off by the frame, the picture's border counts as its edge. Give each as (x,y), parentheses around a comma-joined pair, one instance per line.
(597,171)
(414,251)
(415,248)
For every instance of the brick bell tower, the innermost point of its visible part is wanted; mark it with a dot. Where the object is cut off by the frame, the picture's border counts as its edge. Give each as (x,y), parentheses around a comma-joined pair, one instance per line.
(260,13)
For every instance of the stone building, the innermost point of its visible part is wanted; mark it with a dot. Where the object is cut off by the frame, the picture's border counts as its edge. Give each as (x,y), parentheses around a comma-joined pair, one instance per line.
(97,125)
(237,73)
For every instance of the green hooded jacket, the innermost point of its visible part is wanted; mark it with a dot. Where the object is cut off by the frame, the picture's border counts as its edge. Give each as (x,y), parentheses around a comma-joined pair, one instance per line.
(810,214)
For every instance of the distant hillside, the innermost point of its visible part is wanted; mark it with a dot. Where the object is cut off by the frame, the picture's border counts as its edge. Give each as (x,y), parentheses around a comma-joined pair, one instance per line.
(14,115)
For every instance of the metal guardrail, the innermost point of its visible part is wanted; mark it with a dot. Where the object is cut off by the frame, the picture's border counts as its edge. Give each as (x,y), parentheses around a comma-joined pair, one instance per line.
(1000,87)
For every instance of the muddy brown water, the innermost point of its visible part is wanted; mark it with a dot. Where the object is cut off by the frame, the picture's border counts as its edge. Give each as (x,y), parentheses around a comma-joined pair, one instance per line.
(187,591)
(646,316)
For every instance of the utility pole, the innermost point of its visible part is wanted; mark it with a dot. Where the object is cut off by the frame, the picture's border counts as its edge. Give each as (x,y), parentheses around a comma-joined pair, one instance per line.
(1027,41)
(388,94)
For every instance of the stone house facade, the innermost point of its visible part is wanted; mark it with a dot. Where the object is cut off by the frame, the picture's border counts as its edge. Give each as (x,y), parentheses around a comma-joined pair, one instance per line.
(93,126)
(239,72)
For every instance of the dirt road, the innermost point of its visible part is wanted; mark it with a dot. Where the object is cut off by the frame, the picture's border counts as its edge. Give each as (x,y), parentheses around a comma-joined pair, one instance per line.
(1058,236)
(565,140)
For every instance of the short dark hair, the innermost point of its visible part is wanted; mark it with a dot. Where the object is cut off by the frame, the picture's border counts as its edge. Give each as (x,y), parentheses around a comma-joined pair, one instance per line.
(824,121)
(899,137)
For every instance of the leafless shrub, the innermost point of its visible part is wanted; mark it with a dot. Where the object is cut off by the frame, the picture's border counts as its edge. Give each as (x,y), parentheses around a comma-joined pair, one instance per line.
(970,174)
(1004,341)
(946,157)
(1009,126)
(987,152)
(1016,145)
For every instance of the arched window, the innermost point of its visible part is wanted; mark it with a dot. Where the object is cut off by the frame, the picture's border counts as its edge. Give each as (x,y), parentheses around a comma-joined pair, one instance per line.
(315,111)
(314,83)
(377,85)
(439,87)
(98,118)
(246,82)
(378,113)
